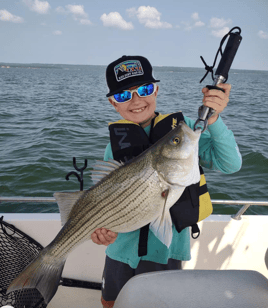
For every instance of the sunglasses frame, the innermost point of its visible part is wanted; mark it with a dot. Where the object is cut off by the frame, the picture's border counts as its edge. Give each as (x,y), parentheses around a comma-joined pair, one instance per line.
(133,91)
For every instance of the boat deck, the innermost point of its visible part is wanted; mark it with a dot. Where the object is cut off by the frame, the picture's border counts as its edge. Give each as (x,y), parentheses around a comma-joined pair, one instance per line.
(67,297)
(224,244)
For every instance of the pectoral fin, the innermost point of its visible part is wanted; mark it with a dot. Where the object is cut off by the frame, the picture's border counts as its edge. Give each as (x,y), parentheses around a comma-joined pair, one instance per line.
(162,226)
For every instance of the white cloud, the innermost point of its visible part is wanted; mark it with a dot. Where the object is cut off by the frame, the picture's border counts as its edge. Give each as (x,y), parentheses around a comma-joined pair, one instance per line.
(149,16)
(195,16)
(77,11)
(40,7)
(220,32)
(85,22)
(114,19)
(263,35)
(220,25)
(187,25)
(7,16)
(199,23)
(219,22)
(57,32)
(194,23)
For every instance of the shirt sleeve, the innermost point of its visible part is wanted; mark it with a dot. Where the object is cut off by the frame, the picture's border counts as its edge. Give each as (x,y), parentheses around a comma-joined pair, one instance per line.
(108,154)
(218,149)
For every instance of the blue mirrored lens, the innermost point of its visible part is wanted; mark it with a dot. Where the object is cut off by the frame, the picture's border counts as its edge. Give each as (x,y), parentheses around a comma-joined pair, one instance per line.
(145,90)
(125,96)
(122,96)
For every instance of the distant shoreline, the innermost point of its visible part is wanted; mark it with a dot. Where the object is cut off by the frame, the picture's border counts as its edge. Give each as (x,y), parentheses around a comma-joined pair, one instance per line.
(64,66)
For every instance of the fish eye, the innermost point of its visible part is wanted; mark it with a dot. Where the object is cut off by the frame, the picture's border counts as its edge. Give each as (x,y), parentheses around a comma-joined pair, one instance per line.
(176,140)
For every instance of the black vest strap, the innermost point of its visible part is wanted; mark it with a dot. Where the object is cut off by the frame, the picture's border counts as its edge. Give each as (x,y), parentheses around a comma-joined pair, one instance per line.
(143,241)
(144,231)
(195,229)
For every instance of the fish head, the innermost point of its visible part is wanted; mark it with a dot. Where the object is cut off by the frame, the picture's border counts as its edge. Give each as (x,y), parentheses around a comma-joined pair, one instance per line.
(177,156)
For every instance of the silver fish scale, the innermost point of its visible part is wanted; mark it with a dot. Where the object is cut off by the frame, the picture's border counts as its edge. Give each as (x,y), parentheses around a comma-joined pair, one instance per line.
(119,203)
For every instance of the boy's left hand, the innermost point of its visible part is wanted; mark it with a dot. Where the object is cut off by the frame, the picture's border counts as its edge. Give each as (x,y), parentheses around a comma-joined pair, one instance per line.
(102,236)
(216,100)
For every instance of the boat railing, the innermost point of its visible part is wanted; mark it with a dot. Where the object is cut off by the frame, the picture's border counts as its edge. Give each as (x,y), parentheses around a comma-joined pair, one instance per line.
(245,204)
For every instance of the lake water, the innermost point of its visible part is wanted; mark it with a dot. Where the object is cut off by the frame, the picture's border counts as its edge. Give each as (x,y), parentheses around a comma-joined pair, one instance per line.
(52,113)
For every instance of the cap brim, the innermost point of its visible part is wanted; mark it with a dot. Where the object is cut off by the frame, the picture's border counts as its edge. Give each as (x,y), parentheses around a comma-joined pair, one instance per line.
(137,83)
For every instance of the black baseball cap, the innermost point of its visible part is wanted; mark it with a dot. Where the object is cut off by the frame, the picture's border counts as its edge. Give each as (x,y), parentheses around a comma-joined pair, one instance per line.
(127,72)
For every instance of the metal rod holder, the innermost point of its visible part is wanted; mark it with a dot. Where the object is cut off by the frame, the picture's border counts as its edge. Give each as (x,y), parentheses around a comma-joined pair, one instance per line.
(79,177)
(238,215)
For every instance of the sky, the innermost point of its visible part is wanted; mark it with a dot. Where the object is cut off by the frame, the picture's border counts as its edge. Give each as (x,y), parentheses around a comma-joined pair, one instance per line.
(167,32)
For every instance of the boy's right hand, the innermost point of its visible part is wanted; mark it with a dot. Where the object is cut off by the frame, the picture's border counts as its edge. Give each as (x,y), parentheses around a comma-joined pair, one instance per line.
(102,236)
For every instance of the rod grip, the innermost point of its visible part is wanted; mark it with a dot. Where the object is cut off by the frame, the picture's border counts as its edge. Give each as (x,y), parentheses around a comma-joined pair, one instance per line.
(228,55)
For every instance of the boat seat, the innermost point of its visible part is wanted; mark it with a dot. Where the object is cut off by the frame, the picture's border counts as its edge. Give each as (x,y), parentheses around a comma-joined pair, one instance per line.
(195,288)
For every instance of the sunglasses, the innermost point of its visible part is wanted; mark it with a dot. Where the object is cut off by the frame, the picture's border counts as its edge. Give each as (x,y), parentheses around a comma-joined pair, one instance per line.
(142,91)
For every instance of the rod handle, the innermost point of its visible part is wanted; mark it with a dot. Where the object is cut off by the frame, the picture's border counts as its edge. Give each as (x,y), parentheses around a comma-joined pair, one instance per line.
(228,54)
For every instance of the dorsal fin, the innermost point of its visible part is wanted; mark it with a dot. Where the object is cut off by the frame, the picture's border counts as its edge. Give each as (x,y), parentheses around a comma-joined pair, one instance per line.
(103,168)
(66,201)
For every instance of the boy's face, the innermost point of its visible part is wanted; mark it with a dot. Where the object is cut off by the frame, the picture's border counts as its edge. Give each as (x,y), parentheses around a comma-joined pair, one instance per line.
(139,109)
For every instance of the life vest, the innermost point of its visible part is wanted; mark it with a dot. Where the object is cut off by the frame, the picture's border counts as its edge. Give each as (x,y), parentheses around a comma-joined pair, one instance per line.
(128,140)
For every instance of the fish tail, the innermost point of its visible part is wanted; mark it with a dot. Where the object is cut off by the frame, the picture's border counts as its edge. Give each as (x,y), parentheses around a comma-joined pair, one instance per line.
(43,274)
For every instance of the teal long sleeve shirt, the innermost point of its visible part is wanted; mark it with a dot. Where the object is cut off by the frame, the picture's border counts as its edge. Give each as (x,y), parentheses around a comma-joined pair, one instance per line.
(217,151)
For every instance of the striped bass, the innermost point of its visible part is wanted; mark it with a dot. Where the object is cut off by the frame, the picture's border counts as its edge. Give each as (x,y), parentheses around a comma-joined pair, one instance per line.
(125,198)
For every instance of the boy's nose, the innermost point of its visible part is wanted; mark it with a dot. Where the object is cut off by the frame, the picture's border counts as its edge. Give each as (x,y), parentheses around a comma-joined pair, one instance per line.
(135,97)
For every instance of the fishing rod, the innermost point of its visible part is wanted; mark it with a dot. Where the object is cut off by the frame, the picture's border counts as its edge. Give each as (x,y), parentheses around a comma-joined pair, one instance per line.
(221,75)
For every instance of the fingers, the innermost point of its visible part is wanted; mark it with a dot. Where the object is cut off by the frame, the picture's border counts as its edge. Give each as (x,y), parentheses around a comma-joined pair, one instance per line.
(226,87)
(103,236)
(216,99)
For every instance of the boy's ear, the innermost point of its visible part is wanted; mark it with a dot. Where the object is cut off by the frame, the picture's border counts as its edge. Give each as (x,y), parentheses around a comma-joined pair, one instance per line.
(113,103)
(156,91)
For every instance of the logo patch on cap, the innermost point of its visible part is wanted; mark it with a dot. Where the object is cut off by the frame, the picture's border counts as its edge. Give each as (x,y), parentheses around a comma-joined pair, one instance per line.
(126,69)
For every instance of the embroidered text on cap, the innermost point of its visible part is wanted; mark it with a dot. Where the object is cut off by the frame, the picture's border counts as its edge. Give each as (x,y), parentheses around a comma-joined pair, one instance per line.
(126,69)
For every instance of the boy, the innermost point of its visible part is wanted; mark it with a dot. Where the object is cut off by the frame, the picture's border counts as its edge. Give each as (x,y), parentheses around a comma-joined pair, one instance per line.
(133,93)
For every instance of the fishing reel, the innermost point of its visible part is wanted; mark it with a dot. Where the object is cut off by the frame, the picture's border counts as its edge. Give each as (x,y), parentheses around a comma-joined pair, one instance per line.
(221,75)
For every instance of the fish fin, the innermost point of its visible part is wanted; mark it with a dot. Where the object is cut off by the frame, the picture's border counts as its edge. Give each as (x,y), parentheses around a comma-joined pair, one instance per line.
(96,178)
(162,225)
(165,196)
(43,274)
(66,201)
(115,162)
(103,168)
(162,228)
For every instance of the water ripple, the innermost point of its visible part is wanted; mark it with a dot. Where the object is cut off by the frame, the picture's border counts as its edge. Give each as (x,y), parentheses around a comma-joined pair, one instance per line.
(52,114)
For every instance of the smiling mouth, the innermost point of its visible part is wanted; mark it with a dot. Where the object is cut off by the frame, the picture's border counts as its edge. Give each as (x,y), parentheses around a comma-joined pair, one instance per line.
(138,110)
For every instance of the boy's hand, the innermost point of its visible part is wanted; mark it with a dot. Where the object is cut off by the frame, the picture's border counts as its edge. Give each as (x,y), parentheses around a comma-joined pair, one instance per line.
(103,236)
(216,100)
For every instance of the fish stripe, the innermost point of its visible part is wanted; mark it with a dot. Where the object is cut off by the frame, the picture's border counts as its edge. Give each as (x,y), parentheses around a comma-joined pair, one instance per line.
(97,222)
(82,226)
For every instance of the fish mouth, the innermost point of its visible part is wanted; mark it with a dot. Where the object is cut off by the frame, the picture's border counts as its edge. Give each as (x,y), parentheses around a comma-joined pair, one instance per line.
(195,133)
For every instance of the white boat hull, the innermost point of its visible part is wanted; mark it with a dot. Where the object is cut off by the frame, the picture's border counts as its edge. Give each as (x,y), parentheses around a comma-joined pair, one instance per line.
(224,244)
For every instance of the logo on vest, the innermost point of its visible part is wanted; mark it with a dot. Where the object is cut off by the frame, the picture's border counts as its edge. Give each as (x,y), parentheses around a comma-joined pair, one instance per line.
(128,69)
(174,123)
(122,132)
